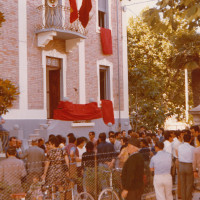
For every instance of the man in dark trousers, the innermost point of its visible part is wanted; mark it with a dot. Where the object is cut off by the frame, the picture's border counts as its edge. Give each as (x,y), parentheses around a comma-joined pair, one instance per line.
(133,172)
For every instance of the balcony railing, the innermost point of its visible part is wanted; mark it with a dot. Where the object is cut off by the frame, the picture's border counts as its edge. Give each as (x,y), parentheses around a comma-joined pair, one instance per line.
(58,18)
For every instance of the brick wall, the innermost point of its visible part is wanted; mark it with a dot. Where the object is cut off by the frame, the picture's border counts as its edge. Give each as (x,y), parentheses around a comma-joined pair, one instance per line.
(34,54)
(93,52)
(9,65)
(9,61)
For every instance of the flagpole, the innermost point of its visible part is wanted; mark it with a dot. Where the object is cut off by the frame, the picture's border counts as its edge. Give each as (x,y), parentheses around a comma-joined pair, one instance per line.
(119,99)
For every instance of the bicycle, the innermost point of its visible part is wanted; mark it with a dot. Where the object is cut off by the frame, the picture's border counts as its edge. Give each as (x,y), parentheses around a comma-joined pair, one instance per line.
(109,193)
(55,192)
(84,196)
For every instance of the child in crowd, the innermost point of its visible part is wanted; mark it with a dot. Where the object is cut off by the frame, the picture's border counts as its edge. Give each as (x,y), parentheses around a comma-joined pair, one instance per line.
(36,188)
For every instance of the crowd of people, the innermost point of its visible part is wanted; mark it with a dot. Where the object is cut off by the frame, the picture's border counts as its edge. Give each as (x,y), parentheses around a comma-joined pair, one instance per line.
(172,156)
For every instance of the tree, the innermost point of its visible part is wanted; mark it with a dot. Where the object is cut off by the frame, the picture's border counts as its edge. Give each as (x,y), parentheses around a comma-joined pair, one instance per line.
(153,91)
(185,15)
(8,93)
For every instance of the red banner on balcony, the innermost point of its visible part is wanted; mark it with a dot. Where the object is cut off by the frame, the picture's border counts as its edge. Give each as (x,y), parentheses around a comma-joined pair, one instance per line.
(73,11)
(106,41)
(84,12)
(71,112)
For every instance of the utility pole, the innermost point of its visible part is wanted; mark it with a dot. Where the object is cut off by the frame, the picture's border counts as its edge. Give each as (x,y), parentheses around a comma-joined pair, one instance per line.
(118,60)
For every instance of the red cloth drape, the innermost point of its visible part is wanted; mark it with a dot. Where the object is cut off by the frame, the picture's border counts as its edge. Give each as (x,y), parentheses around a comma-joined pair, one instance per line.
(107,111)
(71,112)
(73,11)
(106,41)
(84,12)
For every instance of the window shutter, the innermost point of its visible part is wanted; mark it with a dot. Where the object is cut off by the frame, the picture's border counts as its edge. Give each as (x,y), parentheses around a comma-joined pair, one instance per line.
(102,5)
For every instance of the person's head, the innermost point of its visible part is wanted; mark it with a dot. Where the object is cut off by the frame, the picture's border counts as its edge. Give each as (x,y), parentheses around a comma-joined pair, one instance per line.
(59,137)
(159,146)
(18,144)
(111,133)
(80,142)
(130,132)
(133,145)
(123,133)
(70,135)
(179,135)
(89,146)
(160,131)
(194,130)
(91,135)
(142,135)
(72,139)
(118,135)
(153,135)
(143,143)
(12,141)
(53,142)
(112,139)
(102,137)
(168,136)
(124,141)
(142,128)
(51,135)
(172,132)
(34,142)
(187,138)
(40,142)
(11,151)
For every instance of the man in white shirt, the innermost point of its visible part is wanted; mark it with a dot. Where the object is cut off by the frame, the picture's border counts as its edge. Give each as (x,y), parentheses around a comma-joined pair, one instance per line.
(168,142)
(178,140)
(161,165)
(195,132)
(185,157)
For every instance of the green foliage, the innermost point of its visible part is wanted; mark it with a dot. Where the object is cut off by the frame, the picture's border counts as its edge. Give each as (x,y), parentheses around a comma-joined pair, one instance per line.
(153,89)
(172,11)
(2,19)
(182,17)
(8,93)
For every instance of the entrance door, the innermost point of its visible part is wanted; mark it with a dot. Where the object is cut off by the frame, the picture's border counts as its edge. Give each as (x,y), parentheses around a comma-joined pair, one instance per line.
(54,90)
(53,72)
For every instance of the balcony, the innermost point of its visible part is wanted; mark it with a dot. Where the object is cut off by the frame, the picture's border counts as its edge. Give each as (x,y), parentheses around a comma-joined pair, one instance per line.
(54,23)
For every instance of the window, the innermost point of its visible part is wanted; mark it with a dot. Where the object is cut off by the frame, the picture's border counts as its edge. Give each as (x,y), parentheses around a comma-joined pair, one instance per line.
(104,78)
(103,13)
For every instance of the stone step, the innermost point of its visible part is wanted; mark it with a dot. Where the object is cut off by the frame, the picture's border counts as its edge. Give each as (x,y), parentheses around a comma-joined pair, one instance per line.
(49,121)
(37,131)
(44,126)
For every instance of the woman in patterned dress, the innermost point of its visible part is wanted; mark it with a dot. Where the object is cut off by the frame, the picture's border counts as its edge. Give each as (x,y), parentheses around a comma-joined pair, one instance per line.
(56,165)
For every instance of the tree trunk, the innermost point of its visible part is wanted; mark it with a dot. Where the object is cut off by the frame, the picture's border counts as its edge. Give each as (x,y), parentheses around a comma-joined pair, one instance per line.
(196,86)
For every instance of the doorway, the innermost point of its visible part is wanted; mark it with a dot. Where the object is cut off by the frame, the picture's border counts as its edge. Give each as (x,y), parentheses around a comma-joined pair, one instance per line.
(53,73)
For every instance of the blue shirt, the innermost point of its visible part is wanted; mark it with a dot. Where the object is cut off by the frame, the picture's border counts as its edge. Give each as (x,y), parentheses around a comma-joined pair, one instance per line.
(161,163)
(185,153)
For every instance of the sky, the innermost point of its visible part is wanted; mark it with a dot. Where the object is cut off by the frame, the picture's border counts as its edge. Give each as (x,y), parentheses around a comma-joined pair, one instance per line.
(134,7)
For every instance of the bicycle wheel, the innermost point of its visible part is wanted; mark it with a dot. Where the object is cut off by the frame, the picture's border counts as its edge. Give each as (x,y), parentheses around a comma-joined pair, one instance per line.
(108,194)
(84,196)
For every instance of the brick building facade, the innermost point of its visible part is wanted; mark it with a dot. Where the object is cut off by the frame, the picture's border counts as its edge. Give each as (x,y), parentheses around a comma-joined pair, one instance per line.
(49,58)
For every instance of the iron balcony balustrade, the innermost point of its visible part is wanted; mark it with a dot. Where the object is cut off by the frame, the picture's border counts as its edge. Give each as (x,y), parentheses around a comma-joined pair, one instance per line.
(54,22)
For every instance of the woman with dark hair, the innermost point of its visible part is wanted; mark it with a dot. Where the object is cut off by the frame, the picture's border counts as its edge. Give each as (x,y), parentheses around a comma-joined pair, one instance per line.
(56,164)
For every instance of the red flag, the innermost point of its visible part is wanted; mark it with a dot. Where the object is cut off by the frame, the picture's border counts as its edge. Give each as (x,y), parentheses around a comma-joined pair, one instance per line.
(73,11)
(106,41)
(84,12)
(107,111)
